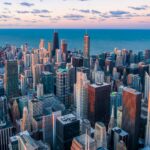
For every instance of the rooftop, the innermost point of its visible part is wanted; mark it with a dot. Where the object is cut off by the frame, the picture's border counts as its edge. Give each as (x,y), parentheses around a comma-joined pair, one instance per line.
(47,73)
(100,123)
(82,138)
(120,131)
(97,85)
(61,70)
(130,90)
(67,119)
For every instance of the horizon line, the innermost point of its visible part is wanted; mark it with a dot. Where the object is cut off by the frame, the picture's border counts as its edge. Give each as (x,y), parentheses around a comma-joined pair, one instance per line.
(76,28)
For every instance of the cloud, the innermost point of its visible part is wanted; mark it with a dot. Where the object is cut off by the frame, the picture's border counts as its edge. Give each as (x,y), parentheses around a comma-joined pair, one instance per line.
(143,7)
(95,11)
(118,13)
(22,12)
(77,0)
(38,11)
(83,0)
(17,18)
(27,4)
(44,16)
(87,11)
(73,17)
(7,3)
(5,16)
(92,18)
(84,10)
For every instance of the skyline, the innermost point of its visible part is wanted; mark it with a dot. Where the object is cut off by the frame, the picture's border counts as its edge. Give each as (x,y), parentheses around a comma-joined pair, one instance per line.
(109,14)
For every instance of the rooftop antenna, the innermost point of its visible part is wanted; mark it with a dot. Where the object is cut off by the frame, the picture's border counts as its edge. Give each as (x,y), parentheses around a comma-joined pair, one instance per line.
(86,140)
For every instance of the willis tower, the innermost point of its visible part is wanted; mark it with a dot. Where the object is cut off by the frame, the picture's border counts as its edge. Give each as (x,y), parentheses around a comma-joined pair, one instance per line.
(55,43)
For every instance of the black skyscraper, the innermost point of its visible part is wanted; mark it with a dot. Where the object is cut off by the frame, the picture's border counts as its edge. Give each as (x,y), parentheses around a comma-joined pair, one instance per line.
(67,127)
(55,43)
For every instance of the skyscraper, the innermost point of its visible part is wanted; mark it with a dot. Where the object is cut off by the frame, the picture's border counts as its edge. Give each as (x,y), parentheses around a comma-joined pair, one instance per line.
(25,142)
(11,79)
(131,115)
(41,45)
(147,137)
(81,95)
(47,126)
(48,82)
(6,131)
(134,81)
(50,51)
(99,103)
(67,127)
(3,109)
(37,71)
(58,56)
(86,52)
(121,146)
(40,91)
(100,135)
(63,86)
(83,142)
(35,108)
(117,135)
(63,46)
(15,112)
(64,50)
(23,84)
(55,43)
(25,124)
(112,122)
(86,127)
(27,60)
(147,86)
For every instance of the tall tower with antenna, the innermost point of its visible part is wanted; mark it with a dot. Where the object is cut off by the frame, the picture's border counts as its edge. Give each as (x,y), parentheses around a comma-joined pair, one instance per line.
(86,51)
(55,42)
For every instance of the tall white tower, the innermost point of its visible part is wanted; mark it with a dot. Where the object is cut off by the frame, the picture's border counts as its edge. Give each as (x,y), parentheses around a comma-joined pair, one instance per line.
(81,95)
(147,86)
(100,135)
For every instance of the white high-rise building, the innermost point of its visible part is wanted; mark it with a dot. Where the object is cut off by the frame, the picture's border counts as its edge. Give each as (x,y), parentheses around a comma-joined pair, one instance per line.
(34,58)
(27,60)
(23,84)
(147,86)
(99,76)
(41,45)
(100,135)
(40,90)
(58,56)
(147,138)
(37,71)
(63,86)
(81,95)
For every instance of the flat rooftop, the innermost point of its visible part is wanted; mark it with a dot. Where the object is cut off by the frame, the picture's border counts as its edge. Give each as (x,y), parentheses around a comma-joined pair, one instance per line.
(97,85)
(67,119)
(130,90)
(47,73)
(120,131)
(82,138)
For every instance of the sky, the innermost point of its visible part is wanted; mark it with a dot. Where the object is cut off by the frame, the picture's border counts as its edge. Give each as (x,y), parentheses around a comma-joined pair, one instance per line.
(134,14)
